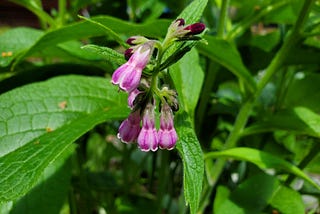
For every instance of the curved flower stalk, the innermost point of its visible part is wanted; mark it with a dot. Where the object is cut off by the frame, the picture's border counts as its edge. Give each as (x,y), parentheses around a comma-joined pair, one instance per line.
(143,92)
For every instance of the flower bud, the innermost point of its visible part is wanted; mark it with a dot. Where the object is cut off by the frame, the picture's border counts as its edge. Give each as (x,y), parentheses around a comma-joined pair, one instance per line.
(195,28)
(136,40)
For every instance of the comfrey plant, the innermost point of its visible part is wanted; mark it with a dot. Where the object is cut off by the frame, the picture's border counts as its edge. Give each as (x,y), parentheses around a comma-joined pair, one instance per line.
(140,78)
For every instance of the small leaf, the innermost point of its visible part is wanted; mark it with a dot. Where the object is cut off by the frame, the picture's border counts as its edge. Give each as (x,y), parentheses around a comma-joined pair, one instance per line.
(225,54)
(262,159)
(287,201)
(187,76)
(192,159)
(40,121)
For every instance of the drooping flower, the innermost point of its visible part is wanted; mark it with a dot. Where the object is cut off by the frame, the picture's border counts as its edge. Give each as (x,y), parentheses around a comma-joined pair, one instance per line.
(132,96)
(167,134)
(148,137)
(130,128)
(128,75)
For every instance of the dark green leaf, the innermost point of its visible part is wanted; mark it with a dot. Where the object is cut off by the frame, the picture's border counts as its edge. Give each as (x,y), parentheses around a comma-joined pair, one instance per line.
(225,54)
(300,120)
(262,159)
(40,121)
(49,195)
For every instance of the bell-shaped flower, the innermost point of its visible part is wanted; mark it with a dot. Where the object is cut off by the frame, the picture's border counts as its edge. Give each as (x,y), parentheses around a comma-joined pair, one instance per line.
(148,137)
(128,75)
(130,128)
(167,134)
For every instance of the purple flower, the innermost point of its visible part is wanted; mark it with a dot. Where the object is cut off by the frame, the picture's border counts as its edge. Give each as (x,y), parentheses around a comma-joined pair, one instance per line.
(167,134)
(132,96)
(130,128)
(148,137)
(128,75)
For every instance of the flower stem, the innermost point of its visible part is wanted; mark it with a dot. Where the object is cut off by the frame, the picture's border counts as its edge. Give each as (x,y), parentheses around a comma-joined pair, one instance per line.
(274,66)
(223,17)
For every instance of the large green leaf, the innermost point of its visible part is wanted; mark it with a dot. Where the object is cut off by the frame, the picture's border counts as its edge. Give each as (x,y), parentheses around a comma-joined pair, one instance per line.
(86,29)
(187,76)
(40,121)
(192,158)
(262,159)
(224,53)
(53,184)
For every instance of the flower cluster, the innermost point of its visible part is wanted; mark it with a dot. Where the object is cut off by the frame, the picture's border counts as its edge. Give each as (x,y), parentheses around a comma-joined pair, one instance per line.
(144,91)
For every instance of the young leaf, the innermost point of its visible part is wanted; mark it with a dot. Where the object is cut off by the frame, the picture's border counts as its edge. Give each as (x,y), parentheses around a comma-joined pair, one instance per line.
(192,159)
(187,76)
(193,12)
(262,159)
(225,54)
(40,121)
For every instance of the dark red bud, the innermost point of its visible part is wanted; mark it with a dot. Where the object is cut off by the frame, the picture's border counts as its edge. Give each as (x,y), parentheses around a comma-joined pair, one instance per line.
(180,21)
(195,28)
(128,53)
(130,41)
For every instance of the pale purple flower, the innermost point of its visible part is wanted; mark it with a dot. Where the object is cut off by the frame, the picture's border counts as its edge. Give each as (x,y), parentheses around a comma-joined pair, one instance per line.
(130,128)
(167,134)
(128,75)
(148,137)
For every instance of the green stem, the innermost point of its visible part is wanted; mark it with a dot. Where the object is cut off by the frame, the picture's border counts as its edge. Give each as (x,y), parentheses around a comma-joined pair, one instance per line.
(275,65)
(62,12)
(163,178)
(222,18)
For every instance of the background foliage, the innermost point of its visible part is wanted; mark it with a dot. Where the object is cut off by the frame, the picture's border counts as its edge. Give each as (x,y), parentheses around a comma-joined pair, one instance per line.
(248,123)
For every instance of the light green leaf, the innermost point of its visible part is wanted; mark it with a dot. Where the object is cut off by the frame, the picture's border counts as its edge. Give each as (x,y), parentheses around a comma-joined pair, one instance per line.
(262,159)
(187,76)
(40,121)
(193,12)
(287,201)
(227,55)
(14,41)
(192,159)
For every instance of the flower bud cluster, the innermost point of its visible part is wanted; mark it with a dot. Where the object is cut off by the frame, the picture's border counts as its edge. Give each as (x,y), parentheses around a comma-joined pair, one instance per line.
(143,90)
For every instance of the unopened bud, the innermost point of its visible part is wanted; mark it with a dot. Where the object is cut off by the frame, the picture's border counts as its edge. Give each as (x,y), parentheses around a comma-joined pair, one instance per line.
(180,22)
(195,28)
(128,53)
(136,40)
